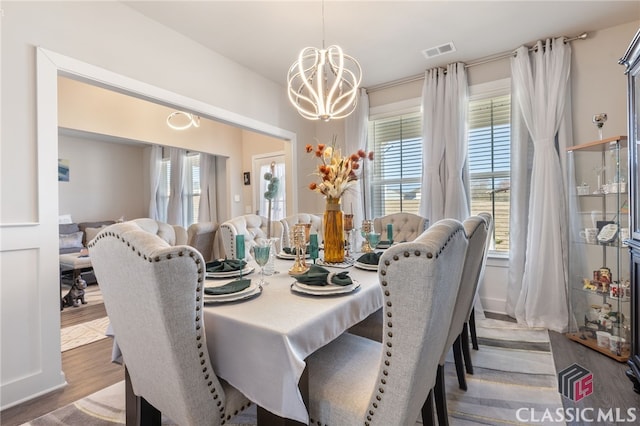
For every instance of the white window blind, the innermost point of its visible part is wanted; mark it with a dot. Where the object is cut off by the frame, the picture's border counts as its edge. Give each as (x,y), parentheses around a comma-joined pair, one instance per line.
(397,167)
(489,162)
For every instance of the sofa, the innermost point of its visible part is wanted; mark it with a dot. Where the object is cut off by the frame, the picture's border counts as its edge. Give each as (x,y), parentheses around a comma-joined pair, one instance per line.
(74,238)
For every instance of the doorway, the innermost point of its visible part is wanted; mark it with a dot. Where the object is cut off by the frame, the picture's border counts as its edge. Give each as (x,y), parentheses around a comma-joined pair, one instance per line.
(274,164)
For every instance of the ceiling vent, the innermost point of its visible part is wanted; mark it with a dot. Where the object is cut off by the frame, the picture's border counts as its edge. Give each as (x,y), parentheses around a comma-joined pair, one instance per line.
(432,52)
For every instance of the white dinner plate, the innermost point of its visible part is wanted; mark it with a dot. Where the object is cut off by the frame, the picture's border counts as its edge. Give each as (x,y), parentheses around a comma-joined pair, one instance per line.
(248,292)
(365,266)
(327,290)
(283,255)
(230,274)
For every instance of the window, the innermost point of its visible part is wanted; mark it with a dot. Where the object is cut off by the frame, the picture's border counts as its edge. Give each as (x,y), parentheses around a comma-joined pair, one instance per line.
(397,167)
(191,189)
(489,147)
(191,195)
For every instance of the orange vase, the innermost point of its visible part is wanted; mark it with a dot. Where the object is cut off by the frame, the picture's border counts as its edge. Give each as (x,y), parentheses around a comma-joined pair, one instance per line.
(333,232)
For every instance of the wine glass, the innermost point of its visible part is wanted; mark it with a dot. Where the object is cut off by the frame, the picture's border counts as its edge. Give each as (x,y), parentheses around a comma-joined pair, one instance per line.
(261,255)
(374,239)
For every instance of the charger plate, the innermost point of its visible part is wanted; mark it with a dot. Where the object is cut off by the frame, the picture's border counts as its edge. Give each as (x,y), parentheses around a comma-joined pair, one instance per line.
(327,290)
(247,293)
(287,256)
(365,266)
(230,274)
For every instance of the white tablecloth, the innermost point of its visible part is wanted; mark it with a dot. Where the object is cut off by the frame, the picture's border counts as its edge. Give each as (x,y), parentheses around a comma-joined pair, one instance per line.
(259,345)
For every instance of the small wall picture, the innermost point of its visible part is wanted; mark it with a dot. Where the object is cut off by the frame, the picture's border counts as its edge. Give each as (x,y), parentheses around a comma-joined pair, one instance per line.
(247,178)
(63,170)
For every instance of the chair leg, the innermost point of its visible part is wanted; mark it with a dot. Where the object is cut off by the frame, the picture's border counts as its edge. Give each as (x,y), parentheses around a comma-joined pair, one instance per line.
(464,342)
(472,329)
(457,355)
(427,411)
(441,398)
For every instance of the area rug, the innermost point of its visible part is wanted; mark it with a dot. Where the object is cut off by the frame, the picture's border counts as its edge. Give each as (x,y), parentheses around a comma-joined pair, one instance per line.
(86,332)
(513,369)
(83,334)
(514,373)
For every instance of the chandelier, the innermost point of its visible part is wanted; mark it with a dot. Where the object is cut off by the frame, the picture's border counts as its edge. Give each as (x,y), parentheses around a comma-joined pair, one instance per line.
(180,120)
(323,83)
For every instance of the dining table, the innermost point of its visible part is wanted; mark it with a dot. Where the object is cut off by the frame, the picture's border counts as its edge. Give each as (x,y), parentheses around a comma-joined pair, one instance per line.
(259,344)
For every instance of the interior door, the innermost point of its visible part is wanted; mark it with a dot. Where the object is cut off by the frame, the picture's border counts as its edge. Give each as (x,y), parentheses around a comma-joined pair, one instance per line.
(269,163)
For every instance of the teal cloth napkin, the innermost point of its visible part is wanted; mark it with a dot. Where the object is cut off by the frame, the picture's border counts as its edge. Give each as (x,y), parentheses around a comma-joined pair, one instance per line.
(292,250)
(226,265)
(369,258)
(317,275)
(232,287)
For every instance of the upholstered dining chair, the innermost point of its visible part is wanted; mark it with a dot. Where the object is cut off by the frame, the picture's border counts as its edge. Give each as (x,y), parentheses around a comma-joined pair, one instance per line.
(172,234)
(153,296)
(406,226)
(289,222)
(253,227)
(202,236)
(354,380)
(475,228)
(471,319)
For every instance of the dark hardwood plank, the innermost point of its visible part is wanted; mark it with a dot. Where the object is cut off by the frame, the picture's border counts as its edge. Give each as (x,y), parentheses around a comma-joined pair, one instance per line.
(611,387)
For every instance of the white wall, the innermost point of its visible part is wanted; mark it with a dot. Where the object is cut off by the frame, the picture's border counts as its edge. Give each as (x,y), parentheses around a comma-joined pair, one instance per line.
(107,180)
(112,37)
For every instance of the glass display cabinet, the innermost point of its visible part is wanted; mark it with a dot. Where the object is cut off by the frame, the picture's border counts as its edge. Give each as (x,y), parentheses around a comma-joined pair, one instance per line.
(599,278)
(631,63)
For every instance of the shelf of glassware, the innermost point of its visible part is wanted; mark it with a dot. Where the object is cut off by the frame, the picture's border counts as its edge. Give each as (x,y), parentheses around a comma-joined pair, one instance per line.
(599,285)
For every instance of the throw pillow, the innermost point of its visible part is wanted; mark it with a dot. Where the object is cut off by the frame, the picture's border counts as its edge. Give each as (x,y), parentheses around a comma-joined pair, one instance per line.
(92,232)
(73,240)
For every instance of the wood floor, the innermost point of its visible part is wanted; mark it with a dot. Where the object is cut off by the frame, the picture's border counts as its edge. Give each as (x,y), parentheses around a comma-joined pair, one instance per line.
(89,369)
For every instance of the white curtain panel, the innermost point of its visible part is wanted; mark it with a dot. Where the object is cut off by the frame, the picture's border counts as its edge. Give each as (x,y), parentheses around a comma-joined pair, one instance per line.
(541,82)
(356,130)
(208,190)
(175,208)
(456,198)
(155,169)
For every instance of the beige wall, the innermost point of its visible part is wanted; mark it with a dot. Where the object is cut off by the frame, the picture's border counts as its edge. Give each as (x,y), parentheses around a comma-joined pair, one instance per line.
(107,180)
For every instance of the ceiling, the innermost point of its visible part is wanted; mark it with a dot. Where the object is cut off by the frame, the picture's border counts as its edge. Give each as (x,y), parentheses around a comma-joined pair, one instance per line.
(386,37)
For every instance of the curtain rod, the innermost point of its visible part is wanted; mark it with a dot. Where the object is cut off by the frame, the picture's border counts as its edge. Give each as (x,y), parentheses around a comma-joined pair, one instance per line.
(470,64)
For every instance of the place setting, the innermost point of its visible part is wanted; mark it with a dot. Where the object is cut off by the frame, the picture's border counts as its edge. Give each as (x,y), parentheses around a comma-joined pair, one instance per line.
(319,281)
(240,288)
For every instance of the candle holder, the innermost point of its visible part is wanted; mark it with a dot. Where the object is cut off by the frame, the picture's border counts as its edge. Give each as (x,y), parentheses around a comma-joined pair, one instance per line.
(300,243)
(367,228)
(348,228)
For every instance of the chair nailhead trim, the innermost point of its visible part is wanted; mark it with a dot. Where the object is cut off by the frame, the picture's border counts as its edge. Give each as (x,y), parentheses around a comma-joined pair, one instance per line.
(389,336)
(210,383)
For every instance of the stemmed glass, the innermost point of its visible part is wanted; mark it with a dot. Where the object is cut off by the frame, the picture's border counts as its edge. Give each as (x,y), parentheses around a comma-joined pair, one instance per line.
(260,253)
(374,239)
